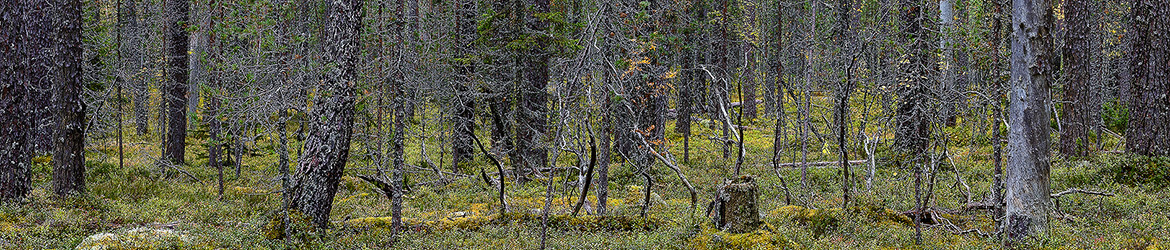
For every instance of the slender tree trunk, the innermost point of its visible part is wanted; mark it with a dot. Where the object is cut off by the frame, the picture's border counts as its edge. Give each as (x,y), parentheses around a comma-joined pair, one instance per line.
(15,164)
(1149,103)
(326,148)
(69,135)
(533,111)
(844,90)
(177,73)
(464,123)
(603,159)
(1027,195)
(214,140)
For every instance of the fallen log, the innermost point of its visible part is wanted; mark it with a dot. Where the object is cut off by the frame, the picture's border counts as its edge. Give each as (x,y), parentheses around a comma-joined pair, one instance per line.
(817,164)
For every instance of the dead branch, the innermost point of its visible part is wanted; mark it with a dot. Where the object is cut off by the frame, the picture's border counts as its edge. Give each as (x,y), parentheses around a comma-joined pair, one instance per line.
(815,164)
(1079,191)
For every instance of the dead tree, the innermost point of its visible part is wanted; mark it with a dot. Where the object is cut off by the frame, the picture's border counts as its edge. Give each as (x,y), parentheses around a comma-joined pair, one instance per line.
(735,207)
(1027,195)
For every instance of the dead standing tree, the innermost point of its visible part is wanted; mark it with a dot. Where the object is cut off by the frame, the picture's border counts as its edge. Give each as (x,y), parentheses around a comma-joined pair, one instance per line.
(1027,196)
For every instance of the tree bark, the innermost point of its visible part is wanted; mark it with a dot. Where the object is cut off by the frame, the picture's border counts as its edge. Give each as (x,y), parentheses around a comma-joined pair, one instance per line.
(1027,184)
(1149,105)
(464,123)
(69,135)
(330,122)
(736,209)
(15,164)
(1081,109)
(912,131)
(533,125)
(177,73)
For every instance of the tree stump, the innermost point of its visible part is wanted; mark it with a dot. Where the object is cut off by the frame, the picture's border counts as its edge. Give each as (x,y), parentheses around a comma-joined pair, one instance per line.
(735,209)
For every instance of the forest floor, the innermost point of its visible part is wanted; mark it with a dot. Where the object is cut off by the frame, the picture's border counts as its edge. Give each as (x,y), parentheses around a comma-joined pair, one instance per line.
(140,206)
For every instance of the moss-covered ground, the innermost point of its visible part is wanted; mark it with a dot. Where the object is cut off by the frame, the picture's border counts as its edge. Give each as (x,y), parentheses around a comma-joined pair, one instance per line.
(462,212)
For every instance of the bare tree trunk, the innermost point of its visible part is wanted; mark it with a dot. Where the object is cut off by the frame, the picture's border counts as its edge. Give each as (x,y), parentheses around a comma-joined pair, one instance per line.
(69,135)
(15,164)
(603,161)
(326,148)
(177,72)
(1149,104)
(1027,184)
(213,130)
(1081,108)
(844,90)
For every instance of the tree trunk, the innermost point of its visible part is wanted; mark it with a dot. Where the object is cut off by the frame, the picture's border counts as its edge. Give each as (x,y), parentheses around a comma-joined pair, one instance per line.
(15,174)
(845,88)
(531,130)
(464,123)
(214,140)
(1027,193)
(330,122)
(912,131)
(69,135)
(1149,105)
(1081,109)
(177,72)
(603,159)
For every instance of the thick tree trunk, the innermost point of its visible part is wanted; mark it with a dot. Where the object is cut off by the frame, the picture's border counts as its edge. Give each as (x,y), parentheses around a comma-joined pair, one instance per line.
(330,123)
(177,73)
(69,135)
(1027,193)
(1081,110)
(1149,103)
(15,174)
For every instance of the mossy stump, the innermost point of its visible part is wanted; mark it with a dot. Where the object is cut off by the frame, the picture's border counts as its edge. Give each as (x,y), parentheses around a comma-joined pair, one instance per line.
(735,205)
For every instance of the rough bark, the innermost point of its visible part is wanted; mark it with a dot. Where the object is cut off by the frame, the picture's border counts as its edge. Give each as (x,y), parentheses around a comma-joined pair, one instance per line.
(736,209)
(1027,194)
(15,177)
(912,131)
(1081,109)
(330,122)
(69,134)
(177,74)
(1149,103)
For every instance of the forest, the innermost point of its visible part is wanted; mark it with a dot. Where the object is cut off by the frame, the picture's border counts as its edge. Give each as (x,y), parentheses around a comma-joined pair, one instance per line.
(584,124)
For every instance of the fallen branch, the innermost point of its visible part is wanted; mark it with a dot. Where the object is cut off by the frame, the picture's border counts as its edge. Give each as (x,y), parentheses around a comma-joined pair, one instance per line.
(677,171)
(820,163)
(1079,191)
